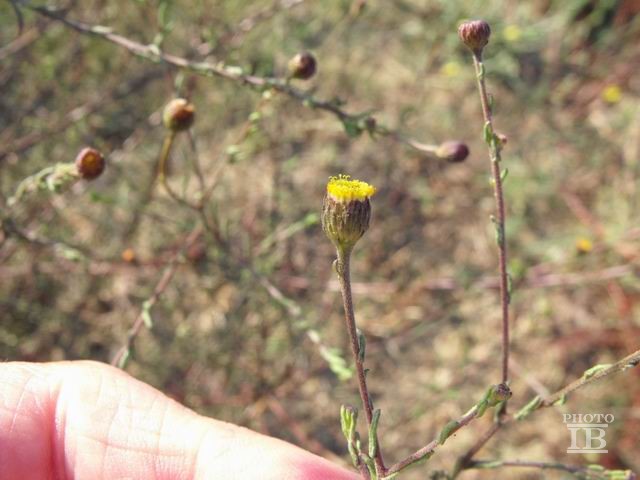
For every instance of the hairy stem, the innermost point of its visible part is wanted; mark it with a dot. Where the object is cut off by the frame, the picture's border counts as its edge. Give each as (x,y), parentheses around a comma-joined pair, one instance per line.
(344,276)
(494,152)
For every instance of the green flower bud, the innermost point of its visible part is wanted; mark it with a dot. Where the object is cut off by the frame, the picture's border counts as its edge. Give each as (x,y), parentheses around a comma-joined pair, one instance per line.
(499,393)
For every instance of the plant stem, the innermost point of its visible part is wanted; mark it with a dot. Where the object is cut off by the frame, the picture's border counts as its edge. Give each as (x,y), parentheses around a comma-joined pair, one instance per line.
(123,353)
(344,276)
(630,361)
(429,448)
(581,472)
(465,459)
(218,69)
(494,152)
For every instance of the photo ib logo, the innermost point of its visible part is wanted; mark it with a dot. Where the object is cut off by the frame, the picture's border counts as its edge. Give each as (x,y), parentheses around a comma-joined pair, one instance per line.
(587,431)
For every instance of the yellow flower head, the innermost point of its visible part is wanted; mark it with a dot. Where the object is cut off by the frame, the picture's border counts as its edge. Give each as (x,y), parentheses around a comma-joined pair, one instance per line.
(343,189)
(346,211)
(612,94)
(512,33)
(584,245)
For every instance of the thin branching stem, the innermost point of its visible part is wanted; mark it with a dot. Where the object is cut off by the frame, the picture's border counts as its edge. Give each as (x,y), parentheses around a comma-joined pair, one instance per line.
(465,459)
(233,73)
(344,275)
(630,361)
(586,472)
(124,352)
(162,173)
(430,448)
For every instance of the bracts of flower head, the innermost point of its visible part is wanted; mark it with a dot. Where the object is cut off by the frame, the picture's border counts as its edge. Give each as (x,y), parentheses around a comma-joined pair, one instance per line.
(88,165)
(346,211)
(178,115)
(302,66)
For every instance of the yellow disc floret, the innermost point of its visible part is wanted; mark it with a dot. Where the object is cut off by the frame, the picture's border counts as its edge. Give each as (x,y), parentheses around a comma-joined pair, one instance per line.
(343,189)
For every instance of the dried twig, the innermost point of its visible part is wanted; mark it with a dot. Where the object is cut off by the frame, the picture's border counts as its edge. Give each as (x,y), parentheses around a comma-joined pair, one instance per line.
(122,355)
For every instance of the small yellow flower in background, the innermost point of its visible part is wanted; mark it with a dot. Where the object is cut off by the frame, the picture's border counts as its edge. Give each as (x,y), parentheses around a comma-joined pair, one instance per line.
(612,94)
(343,189)
(584,245)
(450,69)
(346,211)
(512,33)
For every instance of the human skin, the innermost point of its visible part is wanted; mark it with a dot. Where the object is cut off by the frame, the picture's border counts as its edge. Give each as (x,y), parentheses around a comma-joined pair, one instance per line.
(86,420)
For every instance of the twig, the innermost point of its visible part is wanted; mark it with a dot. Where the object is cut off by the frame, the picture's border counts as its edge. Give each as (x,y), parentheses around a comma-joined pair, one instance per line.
(195,162)
(8,226)
(250,22)
(536,280)
(429,449)
(236,74)
(120,358)
(75,115)
(591,472)
(161,174)
(18,14)
(591,375)
(465,459)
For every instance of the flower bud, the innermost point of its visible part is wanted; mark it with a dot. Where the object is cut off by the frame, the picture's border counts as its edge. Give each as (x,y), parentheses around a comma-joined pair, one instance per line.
(453,151)
(178,115)
(499,393)
(302,66)
(346,211)
(89,163)
(475,34)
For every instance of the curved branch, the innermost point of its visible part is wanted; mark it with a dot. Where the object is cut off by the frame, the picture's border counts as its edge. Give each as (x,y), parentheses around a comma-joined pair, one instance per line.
(361,122)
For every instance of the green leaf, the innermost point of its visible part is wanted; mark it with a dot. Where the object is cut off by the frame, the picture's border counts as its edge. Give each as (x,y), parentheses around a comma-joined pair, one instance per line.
(362,344)
(351,127)
(595,369)
(447,431)
(562,400)
(373,433)
(122,362)
(146,314)
(487,132)
(528,408)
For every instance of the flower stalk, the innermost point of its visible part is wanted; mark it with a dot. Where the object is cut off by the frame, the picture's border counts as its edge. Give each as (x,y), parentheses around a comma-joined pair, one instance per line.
(343,270)
(475,35)
(346,213)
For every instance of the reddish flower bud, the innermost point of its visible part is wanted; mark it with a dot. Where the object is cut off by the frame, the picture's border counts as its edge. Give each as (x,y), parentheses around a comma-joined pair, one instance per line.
(453,151)
(178,115)
(90,163)
(302,66)
(475,34)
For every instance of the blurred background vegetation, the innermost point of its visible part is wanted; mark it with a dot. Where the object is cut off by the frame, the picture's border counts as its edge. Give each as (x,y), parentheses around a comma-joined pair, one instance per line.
(250,327)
